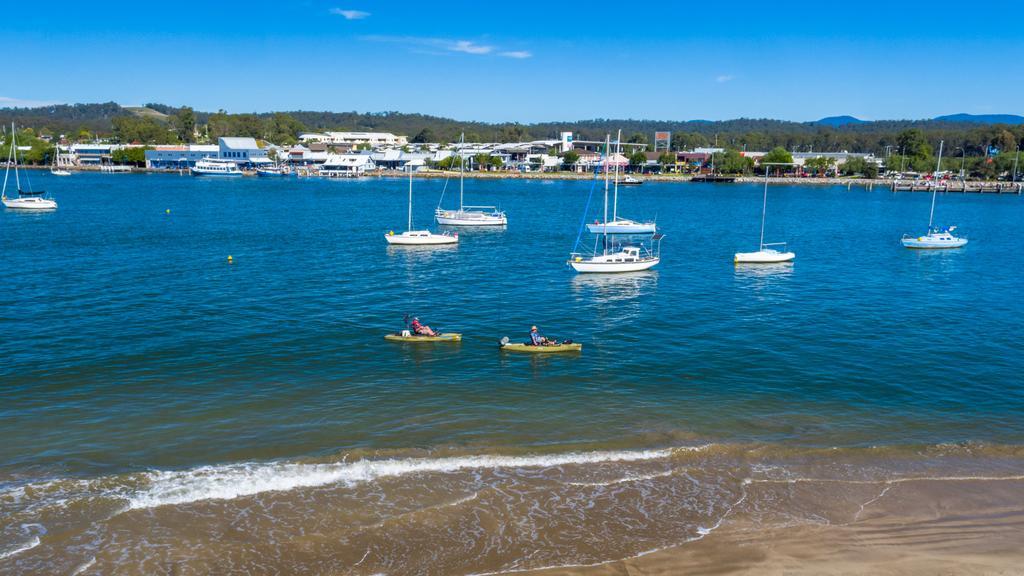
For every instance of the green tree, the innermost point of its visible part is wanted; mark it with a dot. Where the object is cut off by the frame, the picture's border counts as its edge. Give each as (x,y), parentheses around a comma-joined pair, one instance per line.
(913,144)
(732,162)
(185,124)
(570,158)
(638,138)
(425,136)
(667,158)
(819,165)
(134,155)
(637,159)
(777,155)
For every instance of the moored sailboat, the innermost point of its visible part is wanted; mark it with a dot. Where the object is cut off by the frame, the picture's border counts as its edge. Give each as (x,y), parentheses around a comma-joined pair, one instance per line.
(468,215)
(27,199)
(614,257)
(765,254)
(418,237)
(619,225)
(935,237)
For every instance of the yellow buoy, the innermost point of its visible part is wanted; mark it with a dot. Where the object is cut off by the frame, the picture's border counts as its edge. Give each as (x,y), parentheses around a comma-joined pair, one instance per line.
(230,259)
(168,211)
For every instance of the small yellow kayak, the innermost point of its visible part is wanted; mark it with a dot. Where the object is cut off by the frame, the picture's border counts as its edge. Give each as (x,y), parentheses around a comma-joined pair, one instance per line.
(447,337)
(530,349)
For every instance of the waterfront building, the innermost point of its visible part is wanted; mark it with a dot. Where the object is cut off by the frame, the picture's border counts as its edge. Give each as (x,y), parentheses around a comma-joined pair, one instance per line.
(179,157)
(373,139)
(242,151)
(346,165)
(91,154)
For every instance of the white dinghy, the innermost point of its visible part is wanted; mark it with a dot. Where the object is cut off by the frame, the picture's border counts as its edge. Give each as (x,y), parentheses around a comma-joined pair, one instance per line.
(935,238)
(765,254)
(418,237)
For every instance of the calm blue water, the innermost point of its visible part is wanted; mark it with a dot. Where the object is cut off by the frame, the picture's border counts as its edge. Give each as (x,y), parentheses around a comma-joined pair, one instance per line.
(129,341)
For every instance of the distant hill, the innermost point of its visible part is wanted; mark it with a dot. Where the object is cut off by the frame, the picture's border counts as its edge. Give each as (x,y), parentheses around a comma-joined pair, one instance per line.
(145,112)
(982,118)
(837,121)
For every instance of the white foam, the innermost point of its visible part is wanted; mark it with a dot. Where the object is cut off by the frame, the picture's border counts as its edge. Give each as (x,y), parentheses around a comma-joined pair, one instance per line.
(26,546)
(84,567)
(226,482)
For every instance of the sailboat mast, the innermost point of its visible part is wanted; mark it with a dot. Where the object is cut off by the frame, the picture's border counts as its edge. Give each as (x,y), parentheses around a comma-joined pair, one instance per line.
(615,202)
(14,143)
(10,154)
(764,207)
(607,149)
(935,185)
(410,199)
(462,167)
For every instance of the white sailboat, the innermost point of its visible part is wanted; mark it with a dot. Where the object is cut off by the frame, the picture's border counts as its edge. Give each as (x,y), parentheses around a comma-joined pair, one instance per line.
(765,253)
(620,225)
(418,237)
(468,215)
(624,258)
(936,237)
(27,199)
(55,168)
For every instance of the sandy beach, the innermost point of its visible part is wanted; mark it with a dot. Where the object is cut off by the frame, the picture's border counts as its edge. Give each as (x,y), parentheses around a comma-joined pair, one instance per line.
(973,526)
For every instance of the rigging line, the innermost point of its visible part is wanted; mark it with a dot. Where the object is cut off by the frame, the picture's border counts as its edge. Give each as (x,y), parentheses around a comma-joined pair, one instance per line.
(586,210)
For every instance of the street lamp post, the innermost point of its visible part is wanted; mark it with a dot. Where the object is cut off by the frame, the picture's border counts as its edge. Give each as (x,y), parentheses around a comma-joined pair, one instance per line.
(963,160)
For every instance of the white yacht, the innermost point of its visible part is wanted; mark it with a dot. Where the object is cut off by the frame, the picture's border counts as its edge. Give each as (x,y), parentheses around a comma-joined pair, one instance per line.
(215,167)
(935,238)
(614,258)
(765,254)
(27,199)
(418,237)
(468,215)
(619,225)
(55,168)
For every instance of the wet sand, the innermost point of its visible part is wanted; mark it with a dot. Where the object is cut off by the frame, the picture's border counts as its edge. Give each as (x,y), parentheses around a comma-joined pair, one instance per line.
(921,527)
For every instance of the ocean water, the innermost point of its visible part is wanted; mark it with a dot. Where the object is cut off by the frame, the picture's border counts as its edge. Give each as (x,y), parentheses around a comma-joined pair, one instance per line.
(165,410)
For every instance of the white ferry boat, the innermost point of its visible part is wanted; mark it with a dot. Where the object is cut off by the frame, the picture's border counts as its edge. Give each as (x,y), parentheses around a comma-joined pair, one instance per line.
(215,167)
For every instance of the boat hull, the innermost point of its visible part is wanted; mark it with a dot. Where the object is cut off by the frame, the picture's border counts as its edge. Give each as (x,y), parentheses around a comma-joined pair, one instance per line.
(194,172)
(590,267)
(30,204)
(420,239)
(530,349)
(266,174)
(618,228)
(464,218)
(763,257)
(923,243)
(413,338)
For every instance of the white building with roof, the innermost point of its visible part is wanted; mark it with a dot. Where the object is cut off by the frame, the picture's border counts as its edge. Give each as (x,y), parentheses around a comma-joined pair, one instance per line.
(346,165)
(242,150)
(355,138)
(179,156)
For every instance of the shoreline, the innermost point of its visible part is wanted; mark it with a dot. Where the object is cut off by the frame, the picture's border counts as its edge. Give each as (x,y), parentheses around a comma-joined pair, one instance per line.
(849,182)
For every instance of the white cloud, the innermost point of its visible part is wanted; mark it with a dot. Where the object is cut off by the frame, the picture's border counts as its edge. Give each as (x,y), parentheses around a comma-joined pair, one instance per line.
(723,78)
(349,14)
(7,102)
(470,47)
(440,46)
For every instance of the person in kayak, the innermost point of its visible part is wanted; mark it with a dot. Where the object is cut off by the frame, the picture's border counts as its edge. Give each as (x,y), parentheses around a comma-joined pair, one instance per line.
(420,329)
(537,340)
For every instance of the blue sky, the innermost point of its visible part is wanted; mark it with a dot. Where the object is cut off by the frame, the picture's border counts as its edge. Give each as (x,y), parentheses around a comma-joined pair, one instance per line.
(525,61)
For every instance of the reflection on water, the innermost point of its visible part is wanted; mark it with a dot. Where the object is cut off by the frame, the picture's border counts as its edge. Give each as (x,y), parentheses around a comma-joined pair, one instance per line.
(762,271)
(615,287)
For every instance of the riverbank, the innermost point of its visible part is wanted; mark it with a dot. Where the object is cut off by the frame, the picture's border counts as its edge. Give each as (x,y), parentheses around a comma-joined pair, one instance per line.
(850,182)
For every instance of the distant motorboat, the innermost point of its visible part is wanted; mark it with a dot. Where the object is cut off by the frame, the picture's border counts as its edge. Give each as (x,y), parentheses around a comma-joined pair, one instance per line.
(27,199)
(631,181)
(468,215)
(935,238)
(272,172)
(418,237)
(59,172)
(215,167)
(765,253)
